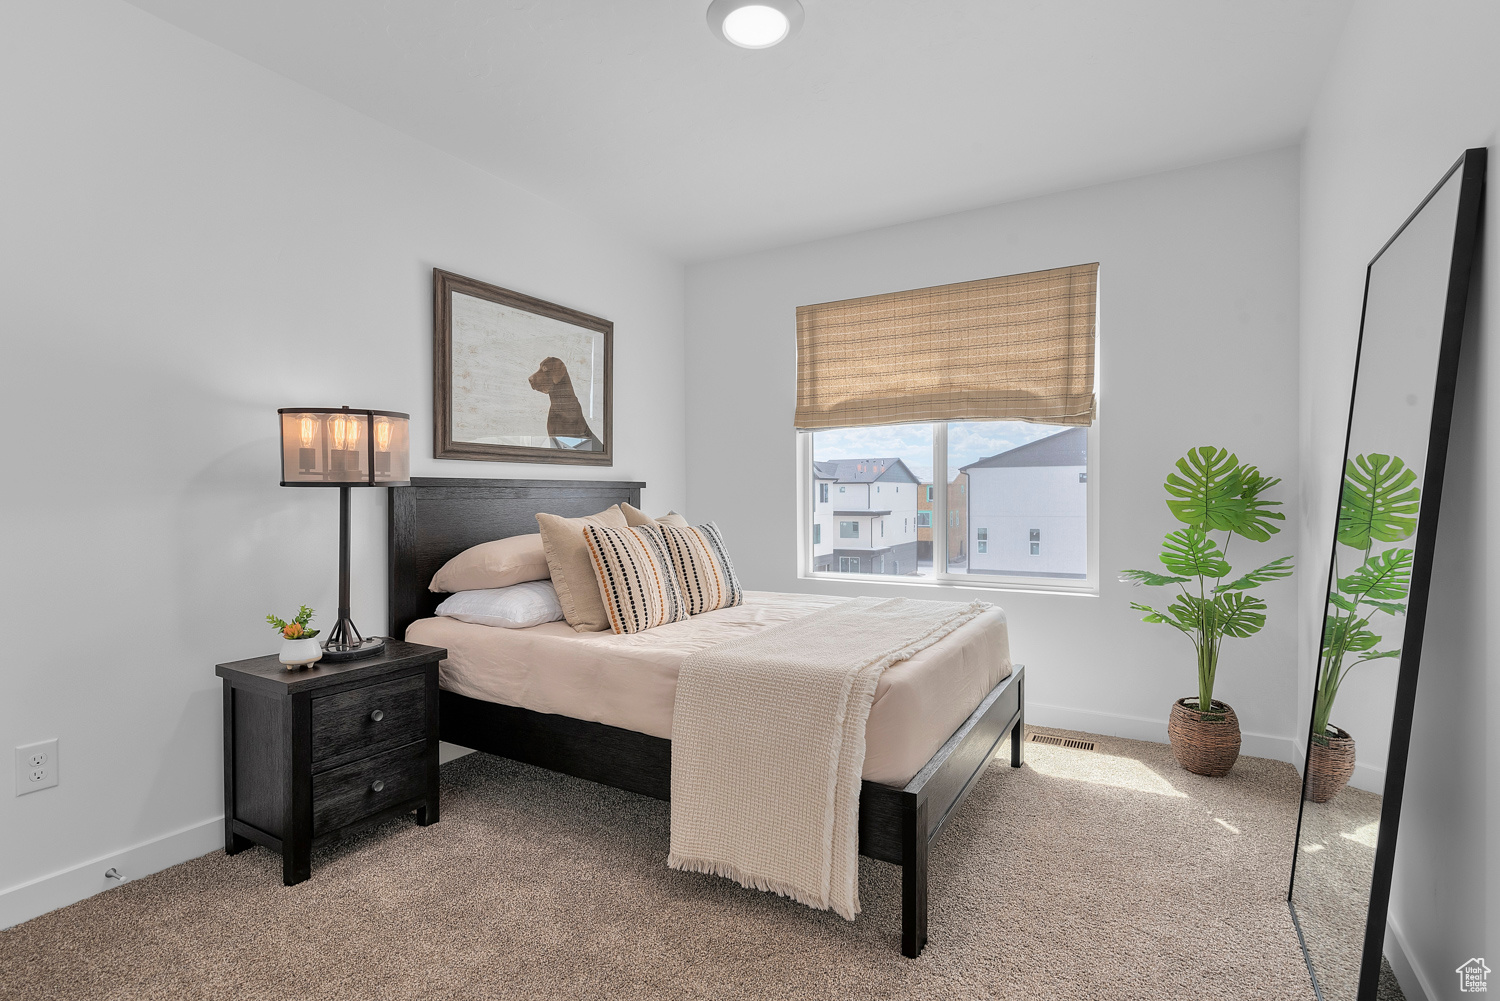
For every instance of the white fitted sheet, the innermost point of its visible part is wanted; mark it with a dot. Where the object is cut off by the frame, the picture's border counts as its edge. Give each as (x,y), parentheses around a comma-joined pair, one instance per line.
(631,681)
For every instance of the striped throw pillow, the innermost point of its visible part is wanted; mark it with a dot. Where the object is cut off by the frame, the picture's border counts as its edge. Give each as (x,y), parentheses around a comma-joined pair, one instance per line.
(635,576)
(704,571)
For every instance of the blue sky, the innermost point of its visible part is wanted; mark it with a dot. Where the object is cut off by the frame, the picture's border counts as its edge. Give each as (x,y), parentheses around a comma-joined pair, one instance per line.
(912,443)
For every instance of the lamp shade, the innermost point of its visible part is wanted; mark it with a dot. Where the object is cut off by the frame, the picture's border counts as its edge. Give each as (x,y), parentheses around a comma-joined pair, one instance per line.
(325,447)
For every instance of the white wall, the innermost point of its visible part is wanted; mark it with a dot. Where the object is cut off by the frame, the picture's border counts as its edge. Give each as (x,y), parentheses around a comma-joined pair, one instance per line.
(1198,318)
(188,242)
(1412,86)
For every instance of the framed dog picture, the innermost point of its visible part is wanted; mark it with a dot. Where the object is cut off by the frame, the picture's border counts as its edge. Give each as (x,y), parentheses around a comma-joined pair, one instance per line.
(518,379)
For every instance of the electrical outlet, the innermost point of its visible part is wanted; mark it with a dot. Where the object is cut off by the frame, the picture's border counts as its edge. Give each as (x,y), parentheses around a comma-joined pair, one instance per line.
(36,766)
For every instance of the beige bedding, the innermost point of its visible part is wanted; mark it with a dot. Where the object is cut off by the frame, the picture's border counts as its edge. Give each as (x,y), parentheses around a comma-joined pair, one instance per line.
(631,681)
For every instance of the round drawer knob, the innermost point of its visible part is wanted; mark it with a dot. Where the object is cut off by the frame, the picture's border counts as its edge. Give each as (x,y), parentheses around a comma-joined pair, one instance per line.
(377,785)
(378,715)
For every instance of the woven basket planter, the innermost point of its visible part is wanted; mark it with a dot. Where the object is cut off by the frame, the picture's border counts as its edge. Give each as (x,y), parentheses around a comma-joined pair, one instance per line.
(1329,766)
(1204,746)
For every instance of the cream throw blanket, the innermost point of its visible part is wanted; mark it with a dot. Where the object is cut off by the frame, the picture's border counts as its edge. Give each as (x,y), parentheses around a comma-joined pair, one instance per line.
(768,743)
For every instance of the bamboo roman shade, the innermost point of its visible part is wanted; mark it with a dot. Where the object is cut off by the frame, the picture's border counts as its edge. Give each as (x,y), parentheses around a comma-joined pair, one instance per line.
(1018,348)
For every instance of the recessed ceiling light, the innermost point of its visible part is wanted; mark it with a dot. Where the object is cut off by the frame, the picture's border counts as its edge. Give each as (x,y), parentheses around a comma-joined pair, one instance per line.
(754,24)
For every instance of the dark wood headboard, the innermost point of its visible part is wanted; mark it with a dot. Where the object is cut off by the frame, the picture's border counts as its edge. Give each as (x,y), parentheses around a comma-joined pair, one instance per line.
(436,518)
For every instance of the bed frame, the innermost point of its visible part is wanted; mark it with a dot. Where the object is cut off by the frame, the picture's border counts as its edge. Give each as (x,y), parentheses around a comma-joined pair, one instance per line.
(434,519)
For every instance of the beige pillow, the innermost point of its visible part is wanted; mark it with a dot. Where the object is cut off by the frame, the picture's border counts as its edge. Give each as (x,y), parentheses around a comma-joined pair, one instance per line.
(573,568)
(636,518)
(501,563)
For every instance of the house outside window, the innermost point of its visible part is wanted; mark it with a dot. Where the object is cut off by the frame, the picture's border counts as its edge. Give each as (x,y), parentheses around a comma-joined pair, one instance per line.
(817,534)
(924,518)
(848,564)
(822,493)
(1036,542)
(982,540)
(848,529)
(929,491)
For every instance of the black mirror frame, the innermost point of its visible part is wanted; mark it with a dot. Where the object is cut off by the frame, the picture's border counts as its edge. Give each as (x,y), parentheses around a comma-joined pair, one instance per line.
(1465,245)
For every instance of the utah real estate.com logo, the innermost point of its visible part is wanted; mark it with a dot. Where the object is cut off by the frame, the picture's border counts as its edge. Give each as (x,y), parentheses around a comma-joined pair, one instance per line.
(1472,976)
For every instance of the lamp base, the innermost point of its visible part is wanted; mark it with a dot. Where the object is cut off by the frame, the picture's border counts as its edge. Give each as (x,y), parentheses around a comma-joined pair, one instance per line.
(335,652)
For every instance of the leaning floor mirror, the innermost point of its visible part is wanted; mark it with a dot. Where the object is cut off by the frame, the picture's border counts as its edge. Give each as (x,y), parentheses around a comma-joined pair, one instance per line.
(1416,290)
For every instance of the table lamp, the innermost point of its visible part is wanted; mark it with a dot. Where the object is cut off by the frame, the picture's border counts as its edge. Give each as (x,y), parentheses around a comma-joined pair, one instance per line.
(323,447)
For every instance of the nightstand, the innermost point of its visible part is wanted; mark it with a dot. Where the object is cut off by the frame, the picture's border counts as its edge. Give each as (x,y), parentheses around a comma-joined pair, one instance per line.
(313,754)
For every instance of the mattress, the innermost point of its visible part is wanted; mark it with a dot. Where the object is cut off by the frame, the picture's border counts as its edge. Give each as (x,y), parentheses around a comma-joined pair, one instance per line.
(631,681)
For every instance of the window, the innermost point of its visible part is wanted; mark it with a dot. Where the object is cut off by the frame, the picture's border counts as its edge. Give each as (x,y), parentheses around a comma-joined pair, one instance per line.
(848,564)
(841,489)
(817,535)
(998,394)
(992,483)
(895,568)
(822,493)
(1036,542)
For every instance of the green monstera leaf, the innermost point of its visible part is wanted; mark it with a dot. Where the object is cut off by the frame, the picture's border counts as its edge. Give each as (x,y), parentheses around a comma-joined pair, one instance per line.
(1275,570)
(1383,577)
(1176,616)
(1206,492)
(1379,502)
(1347,635)
(1238,614)
(1258,520)
(1189,552)
(1149,577)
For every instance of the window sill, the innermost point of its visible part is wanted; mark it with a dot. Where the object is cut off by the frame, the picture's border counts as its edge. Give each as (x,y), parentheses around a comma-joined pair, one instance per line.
(1081,589)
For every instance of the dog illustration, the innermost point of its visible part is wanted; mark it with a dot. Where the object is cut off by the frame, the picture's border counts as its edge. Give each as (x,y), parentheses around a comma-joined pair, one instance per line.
(564,417)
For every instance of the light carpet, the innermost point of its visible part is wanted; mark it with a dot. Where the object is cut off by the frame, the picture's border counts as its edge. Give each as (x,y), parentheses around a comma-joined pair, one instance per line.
(1096,874)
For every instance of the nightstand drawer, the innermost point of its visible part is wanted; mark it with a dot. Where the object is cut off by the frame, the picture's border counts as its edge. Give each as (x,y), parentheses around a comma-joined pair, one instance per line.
(359,720)
(351,792)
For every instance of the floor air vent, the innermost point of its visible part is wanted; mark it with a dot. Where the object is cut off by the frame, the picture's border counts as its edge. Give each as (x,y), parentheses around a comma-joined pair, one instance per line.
(1082,745)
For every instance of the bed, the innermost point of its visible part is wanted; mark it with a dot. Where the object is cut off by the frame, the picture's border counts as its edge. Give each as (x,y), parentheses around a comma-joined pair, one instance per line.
(598,706)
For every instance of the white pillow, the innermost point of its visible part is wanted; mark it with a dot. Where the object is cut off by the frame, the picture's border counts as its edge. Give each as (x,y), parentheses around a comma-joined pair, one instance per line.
(514,607)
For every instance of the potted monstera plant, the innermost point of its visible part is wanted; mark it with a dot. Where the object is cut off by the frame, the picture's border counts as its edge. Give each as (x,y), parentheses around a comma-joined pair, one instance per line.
(1378,506)
(1211,492)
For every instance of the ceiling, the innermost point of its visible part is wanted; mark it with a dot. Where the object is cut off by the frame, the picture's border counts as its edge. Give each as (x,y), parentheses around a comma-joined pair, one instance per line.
(876,112)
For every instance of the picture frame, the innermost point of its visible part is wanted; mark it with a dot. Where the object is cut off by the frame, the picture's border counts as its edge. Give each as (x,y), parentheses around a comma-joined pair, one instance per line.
(519,379)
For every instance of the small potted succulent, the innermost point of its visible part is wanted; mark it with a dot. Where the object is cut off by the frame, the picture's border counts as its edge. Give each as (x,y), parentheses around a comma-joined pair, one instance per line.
(298,648)
(1211,492)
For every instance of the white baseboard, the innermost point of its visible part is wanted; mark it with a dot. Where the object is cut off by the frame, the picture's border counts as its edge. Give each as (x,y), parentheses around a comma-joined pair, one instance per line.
(1258,745)
(48,893)
(1414,984)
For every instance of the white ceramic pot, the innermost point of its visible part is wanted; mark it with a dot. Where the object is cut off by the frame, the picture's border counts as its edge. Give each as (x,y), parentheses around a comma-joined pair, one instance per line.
(300,653)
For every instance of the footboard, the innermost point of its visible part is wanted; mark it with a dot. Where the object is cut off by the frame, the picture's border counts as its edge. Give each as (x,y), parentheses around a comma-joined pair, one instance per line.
(899,825)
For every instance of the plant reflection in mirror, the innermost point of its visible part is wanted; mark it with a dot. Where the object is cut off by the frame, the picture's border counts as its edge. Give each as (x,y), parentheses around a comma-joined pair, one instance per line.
(1378,505)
